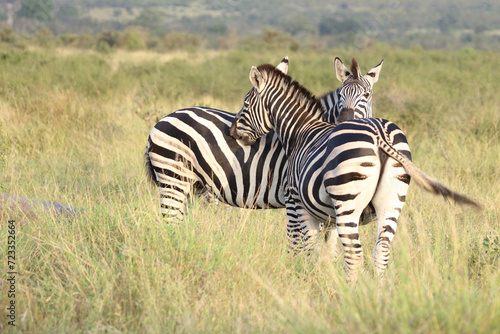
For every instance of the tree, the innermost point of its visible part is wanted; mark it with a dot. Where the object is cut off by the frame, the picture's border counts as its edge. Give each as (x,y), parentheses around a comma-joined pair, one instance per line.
(149,18)
(334,26)
(297,24)
(7,34)
(67,11)
(40,10)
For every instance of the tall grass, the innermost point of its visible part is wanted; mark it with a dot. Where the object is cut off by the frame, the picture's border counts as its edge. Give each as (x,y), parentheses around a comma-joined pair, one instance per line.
(75,127)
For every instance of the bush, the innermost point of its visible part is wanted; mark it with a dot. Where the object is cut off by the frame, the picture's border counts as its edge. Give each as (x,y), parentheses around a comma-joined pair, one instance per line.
(275,38)
(7,35)
(134,38)
(180,40)
(111,38)
(68,39)
(44,36)
(335,26)
(103,47)
(86,41)
(83,41)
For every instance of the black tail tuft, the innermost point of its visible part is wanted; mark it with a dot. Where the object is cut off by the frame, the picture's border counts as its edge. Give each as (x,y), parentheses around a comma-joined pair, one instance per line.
(456,197)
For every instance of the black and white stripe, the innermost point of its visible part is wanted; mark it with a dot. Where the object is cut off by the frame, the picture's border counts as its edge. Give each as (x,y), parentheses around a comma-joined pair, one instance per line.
(354,99)
(334,171)
(191,148)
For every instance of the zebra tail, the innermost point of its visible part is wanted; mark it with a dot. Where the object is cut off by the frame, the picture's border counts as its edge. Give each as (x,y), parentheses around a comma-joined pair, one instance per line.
(425,181)
(434,186)
(149,167)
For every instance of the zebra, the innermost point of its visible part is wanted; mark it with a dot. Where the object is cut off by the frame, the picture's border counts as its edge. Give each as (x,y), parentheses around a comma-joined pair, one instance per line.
(354,98)
(334,171)
(192,149)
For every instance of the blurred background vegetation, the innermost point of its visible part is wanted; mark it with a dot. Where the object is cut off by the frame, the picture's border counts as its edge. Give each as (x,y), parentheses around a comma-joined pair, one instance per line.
(225,24)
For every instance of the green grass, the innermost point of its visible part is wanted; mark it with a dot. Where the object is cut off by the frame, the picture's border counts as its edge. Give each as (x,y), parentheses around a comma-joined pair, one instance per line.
(74,129)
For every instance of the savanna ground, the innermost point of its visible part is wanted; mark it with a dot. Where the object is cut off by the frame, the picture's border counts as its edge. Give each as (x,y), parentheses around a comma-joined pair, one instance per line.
(74,127)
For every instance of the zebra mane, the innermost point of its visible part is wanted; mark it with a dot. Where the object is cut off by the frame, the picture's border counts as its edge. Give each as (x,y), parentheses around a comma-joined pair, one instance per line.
(355,68)
(294,89)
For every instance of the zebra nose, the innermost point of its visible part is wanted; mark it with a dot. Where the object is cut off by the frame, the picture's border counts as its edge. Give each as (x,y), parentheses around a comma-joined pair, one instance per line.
(232,132)
(345,115)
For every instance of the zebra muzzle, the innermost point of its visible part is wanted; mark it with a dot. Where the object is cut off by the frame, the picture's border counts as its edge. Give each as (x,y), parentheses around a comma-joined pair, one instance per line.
(345,115)
(240,134)
(233,131)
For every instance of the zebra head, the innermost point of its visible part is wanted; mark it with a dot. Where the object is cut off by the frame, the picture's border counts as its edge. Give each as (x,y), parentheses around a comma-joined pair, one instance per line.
(249,126)
(242,128)
(355,95)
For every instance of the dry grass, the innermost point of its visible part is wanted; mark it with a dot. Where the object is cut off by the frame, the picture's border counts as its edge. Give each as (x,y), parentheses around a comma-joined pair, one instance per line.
(75,131)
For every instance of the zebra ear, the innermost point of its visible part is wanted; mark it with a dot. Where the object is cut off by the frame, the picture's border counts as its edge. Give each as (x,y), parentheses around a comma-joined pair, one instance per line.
(341,72)
(356,71)
(256,78)
(374,73)
(283,66)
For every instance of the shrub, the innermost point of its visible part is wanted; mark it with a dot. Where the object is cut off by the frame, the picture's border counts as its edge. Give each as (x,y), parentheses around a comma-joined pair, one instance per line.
(111,38)
(86,41)
(275,38)
(44,36)
(68,39)
(134,38)
(7,35)
(180,40)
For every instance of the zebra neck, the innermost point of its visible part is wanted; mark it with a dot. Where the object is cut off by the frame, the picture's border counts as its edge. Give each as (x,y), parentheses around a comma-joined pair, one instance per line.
(330,103)
(293,121)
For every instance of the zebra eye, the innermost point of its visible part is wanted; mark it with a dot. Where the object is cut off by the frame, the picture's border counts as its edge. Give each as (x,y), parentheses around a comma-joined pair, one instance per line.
(366,95)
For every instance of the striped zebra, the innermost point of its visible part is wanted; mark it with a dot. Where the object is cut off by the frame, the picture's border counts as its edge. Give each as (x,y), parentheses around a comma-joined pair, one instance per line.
(353,99)
(334,171)
(191,148)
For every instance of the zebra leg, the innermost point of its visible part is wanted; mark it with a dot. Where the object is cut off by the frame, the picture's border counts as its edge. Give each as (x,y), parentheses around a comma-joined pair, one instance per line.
(331,247)
(349,199)
(348,230)
(173,196)
(175,180)
(388,202)
(302,228)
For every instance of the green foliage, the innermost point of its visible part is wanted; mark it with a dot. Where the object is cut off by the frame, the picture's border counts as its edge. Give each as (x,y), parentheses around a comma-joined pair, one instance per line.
(485,254)
(217,29)
(83,41)
(7,35)
(335,25)
(40,10)
(354,24)
(274,39)
(44,36)
(179,40)
(108,37)
(67,11)
(133,38)
(148,18)
(298,24)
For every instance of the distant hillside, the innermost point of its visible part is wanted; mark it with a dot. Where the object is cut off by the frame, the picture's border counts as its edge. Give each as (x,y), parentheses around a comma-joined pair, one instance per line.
(447,24)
